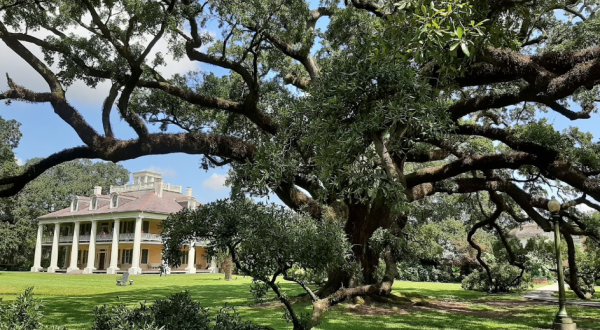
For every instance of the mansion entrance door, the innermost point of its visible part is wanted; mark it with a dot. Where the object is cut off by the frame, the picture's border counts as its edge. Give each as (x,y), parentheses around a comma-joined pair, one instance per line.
(101,260)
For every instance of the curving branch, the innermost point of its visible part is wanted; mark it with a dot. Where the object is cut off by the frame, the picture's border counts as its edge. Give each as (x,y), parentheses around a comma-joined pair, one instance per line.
(106,109)
(297,200)
(10,186)
(119,150)
(488,221)
(258,117)
(513,160)
(298,82)
(573,269)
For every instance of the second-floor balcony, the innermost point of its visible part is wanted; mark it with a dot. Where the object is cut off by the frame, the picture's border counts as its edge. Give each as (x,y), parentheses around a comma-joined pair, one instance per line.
(126,237)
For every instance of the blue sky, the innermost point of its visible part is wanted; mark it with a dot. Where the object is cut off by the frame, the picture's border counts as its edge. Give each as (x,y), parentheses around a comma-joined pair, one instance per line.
(45,133)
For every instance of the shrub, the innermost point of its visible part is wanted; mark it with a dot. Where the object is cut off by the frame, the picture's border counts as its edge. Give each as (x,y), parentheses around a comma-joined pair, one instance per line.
(427,273)
(24,313)
(177,312)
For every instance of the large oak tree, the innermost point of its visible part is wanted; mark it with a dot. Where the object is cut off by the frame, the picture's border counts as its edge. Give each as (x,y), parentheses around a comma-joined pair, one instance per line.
(357,109)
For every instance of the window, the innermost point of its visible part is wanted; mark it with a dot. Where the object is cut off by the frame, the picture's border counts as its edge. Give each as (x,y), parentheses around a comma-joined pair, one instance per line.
(82,256)
(184,258)
(74,204)
(85,229)
(144,256)
(94,203)
(145,226)
(126,227)
(126,259)
(114,201)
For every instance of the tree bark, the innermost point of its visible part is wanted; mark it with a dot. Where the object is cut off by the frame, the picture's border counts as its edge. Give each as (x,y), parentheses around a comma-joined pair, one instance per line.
(573,278)
(362,223)
(228,267)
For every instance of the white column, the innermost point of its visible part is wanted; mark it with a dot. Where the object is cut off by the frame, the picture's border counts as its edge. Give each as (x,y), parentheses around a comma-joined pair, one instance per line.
(92,250)
(191,268)
(74,248)
(37,259)
(54,256)
(137,244)
(213,266)
(114,251)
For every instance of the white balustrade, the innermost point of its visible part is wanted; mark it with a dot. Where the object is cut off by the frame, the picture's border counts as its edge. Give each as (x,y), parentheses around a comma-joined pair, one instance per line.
(127,237)
(145,186)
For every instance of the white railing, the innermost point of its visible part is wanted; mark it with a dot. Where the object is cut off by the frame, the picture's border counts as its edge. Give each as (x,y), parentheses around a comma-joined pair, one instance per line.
(145,186)
(151,237)
(65,239)
(61,239)
(104,237)
(132,187)
(172,188)
(127,237)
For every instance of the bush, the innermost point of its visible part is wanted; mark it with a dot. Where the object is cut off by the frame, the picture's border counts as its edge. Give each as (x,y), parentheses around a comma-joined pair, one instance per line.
(504,277)
(427,273)
(24,313)
(177,312)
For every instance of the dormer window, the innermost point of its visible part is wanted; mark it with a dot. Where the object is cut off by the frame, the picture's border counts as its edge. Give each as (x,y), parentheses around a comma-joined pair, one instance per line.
(114,201)
(94,203)
(74,204)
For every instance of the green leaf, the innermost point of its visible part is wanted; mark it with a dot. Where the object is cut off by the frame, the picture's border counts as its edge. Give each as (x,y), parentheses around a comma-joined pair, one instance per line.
(459,32)
(465,48)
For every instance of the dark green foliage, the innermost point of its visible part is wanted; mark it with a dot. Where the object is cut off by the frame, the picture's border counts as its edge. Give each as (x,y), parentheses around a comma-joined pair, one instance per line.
(24,313)
(177,312)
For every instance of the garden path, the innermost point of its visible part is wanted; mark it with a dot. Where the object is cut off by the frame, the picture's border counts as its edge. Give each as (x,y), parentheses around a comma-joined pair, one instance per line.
(545,294)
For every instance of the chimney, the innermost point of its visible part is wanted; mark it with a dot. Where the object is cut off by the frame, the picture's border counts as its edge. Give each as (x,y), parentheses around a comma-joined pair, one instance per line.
(97,190)
(158,187)
(188,192)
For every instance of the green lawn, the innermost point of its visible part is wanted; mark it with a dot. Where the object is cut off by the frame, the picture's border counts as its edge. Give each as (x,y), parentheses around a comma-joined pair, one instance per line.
(69,300)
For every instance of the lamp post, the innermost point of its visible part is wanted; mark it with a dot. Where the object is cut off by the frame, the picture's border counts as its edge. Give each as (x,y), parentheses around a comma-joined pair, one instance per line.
(562,321)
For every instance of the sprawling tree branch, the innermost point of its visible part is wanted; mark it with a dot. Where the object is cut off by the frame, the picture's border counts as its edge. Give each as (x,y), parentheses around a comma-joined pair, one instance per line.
(119,150)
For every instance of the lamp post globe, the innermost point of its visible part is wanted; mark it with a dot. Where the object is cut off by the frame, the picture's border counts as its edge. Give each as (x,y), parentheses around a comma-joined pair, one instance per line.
(562,321)
(554,205)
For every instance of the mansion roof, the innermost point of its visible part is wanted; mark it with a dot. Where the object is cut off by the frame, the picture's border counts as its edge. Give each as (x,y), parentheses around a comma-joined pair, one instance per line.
(145,201)
(147,193)
(529,230)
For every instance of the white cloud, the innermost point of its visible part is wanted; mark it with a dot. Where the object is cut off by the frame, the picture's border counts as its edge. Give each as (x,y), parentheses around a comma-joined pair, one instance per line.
(19,161)
(215,182)
(585,208)
(79,94)
(166,172)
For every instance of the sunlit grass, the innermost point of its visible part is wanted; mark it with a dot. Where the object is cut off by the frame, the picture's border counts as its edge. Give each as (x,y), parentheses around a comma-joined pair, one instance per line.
(69,301)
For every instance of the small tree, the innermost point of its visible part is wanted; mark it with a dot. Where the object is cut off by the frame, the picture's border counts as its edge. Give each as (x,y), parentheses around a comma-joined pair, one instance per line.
(265,241)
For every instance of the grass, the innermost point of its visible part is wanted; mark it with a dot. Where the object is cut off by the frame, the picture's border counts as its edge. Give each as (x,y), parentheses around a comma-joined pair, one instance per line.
(69,300)
(572,296)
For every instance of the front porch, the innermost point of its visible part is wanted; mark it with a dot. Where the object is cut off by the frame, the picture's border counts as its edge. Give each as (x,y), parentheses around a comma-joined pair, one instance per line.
(111,247)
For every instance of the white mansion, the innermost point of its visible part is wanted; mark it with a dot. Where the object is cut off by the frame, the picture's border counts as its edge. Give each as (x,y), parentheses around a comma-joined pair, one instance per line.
(117,232)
